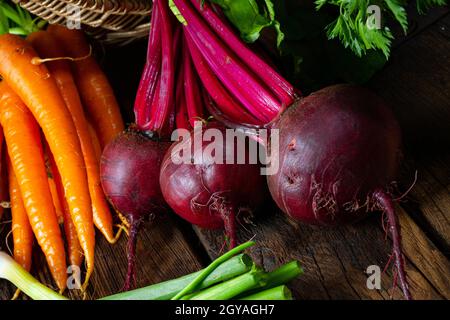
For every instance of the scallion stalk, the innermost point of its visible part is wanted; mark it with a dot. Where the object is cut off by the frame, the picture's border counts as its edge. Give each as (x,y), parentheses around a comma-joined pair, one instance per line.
(231,288)
(279,276)
(284,274)
(209,269)
(22,279)
(277,293)
(166,290)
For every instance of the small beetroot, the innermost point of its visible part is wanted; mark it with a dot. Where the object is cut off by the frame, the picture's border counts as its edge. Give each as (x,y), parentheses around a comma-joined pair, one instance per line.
(129,172)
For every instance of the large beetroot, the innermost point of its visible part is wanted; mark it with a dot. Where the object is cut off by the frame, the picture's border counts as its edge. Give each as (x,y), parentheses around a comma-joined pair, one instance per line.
(339,151)
(207,190)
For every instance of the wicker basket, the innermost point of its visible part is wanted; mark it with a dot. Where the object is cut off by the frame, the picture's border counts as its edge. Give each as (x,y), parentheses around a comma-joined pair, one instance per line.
(110,21)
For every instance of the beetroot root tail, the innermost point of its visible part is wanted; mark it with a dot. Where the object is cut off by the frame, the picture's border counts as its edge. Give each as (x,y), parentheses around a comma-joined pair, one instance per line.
(384,201)
(131,254)
(229,221)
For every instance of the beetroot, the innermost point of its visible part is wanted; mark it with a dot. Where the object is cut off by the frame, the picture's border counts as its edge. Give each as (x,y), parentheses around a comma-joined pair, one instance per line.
(129,171)
(339,151)
(209,194)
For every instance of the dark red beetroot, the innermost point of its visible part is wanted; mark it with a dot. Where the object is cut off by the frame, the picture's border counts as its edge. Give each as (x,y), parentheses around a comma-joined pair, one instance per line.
(129,170)
(339,152)
(208,194)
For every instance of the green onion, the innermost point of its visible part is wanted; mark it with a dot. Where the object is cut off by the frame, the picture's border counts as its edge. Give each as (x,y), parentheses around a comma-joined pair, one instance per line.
(279,276)
(13,272)
(284,274)
(231,288)
(168,289)
(205,272)
(278,293)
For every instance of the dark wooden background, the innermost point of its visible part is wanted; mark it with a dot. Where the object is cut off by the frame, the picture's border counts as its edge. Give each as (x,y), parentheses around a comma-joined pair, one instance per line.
(416,82)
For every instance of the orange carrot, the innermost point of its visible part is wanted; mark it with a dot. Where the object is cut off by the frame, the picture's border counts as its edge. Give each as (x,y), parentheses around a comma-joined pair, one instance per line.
(25,151)
(95,142)
(51,183)
(74,250)
(95,90)
(21,228)
(48,47)
(56,201)
(4,193)
(38,90)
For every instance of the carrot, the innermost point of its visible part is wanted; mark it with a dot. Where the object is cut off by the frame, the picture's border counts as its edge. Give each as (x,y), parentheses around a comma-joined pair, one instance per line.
(56,201)
(21,228)
(48,47)
(3,177)
(95,142)
(95,90)
(51,183)
(38,90)
(74,250)
(25,150)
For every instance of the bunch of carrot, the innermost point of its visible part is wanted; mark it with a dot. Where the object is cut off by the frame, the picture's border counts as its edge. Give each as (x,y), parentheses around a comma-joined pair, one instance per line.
(52,90)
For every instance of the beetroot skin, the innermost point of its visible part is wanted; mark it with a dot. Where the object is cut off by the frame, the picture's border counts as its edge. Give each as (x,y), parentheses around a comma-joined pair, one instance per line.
(211,195)
(129,173)
(339,152)
(336,147)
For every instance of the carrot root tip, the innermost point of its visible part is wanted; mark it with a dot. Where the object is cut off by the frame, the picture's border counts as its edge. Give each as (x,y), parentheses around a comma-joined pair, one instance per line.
(16,294)
(121,228)
(36,61)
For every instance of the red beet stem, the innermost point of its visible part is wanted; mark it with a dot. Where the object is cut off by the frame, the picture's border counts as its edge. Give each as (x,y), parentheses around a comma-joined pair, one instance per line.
(194,102)
(385,202)
(224,117)
(224,101)
(164,101)
(282,88)
(181,113)
(150,75)
(130,278)
(234,74)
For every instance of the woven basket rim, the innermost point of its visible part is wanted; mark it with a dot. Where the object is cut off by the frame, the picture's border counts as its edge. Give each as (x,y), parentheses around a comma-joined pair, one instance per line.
(111,20)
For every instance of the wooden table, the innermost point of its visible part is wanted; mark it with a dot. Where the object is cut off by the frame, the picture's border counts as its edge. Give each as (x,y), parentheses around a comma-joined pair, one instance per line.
(416,82)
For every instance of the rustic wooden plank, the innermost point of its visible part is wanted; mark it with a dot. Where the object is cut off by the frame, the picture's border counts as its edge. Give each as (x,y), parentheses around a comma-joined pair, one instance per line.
(160,248)
(424,255)
(335,259)
(417,84)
